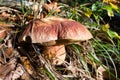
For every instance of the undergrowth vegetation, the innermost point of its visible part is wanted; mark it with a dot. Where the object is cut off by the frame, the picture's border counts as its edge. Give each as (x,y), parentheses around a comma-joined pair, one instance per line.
(95,59)
(105,47)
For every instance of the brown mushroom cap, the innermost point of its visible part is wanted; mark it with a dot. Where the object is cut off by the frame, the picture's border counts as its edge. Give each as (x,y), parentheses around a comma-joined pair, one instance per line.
(54,31)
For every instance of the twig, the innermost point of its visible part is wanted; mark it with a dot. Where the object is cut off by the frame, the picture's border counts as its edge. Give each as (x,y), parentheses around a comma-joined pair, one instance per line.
(4,56)
(8,9)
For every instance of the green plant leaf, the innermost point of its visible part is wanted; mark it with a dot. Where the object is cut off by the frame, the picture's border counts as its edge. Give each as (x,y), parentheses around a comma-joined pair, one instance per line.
(88,13)
(112,34)
(22,7)
(110,13)
(114,6)
(109,10)
(105,27)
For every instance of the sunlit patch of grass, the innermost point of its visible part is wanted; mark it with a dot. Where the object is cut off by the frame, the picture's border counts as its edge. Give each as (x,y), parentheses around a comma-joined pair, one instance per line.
(103,54)
(109,53)
(49,74)
(81,57)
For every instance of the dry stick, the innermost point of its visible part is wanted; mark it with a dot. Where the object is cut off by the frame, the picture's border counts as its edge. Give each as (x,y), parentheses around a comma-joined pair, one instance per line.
(38,9)
(8,9)
(47,66)
(4,56)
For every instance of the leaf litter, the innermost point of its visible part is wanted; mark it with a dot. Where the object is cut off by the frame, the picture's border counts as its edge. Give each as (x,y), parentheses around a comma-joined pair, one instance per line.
(25,61)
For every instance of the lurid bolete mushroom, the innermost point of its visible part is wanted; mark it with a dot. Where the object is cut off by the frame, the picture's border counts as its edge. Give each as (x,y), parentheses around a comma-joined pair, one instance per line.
(54,33)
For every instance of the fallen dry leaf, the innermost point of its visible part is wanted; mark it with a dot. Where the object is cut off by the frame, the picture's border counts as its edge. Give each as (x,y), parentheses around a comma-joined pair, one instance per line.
(27,65)
(101,73)
(5,15)
(4,29)
(18,73)
(52,7)
(8,52)
(7,68)
(3,24)
(3,33)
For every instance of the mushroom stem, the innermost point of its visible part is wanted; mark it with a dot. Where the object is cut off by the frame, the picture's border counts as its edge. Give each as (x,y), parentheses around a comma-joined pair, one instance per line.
(56,53)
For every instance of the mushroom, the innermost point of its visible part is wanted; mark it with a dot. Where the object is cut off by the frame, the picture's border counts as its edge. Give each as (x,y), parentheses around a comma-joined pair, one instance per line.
(54,33)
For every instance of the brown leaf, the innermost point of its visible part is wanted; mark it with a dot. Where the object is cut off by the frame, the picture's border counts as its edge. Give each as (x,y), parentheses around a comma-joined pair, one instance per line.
(102,73)
(5,15)
(52,6)
(15,74)
(5,69)
(2,33)
(27,65)
(9,51)
(3,24)
(4,29)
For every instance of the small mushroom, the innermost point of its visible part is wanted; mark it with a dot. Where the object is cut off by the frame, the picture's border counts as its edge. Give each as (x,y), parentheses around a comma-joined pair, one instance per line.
(54,33)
